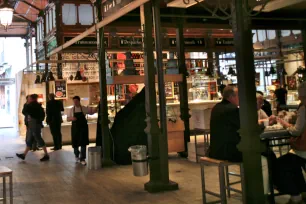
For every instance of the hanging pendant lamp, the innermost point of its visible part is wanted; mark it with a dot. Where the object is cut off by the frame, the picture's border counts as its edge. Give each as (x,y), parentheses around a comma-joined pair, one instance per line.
(78,75)
(37,80)
(6,14)
(43,78)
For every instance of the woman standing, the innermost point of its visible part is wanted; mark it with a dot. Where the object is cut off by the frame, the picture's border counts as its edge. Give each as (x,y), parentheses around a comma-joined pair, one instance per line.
(290,178)
(79,129)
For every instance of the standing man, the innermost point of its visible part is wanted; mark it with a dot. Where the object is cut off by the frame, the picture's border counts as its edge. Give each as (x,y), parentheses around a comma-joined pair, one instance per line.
(281,97)
(35,115)
(54,120)
(79,129)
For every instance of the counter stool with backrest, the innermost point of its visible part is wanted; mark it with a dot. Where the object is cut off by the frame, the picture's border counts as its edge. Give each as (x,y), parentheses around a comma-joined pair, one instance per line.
(4,173)
(224,182)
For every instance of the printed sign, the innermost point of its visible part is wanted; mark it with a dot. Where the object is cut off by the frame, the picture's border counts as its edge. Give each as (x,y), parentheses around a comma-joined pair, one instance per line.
(190,42)
(130,42)
(86,42)
(224,42)
(60,89)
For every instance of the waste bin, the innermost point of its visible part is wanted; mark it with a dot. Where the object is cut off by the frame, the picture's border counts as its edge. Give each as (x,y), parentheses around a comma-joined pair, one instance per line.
(139,160)
(94,157)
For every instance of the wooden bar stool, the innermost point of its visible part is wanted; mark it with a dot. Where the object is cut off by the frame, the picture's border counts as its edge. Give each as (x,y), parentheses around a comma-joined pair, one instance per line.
(6,172)
(197,132)
(223,179)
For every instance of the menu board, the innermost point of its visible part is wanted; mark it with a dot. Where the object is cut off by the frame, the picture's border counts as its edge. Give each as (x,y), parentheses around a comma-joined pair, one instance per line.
(60,89)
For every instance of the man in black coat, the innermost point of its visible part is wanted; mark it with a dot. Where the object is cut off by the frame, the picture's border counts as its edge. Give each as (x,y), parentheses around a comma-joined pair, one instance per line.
(54,120)
(224,126)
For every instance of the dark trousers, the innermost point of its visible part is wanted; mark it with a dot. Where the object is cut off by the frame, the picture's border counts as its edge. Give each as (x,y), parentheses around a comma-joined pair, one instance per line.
(55,128)
(83,152)
(289,173)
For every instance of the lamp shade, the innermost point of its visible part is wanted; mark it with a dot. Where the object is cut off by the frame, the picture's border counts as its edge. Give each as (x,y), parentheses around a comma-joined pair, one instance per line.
(37,80)
(43,78)
(6,14)
(50,76)
(78,76)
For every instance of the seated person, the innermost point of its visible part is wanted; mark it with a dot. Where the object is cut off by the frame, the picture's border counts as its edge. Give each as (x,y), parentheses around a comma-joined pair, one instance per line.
(290,179)
(266,106)
(224,136)
(262,116)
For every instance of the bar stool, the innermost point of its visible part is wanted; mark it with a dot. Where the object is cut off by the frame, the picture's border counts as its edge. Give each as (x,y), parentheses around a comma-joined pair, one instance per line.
(6,172)
(196,132)
(223,180)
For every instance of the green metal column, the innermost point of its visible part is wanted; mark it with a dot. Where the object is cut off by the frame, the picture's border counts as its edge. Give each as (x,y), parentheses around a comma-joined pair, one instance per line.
(106,143)
(180,46)
(157,140)
(250,144)
(304,41)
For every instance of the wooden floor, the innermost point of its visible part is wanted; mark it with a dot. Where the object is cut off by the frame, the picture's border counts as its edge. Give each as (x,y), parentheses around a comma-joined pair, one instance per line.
(63,181)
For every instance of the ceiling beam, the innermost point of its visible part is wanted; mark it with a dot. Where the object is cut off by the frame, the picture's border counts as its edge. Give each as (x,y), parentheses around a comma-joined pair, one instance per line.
(31,5)
(278,4)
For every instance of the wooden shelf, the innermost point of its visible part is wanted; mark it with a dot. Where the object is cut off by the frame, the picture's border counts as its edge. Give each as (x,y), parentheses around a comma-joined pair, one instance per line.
(137,79)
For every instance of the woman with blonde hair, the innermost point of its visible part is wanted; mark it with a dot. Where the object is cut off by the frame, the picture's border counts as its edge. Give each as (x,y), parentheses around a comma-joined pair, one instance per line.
(290,178)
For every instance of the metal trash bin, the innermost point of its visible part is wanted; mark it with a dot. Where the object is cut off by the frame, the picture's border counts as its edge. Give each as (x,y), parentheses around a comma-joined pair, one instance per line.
(94,158)
(139,160)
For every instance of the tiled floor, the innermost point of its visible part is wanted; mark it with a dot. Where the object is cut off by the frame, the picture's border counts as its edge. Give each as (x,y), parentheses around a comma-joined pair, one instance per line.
(62,181)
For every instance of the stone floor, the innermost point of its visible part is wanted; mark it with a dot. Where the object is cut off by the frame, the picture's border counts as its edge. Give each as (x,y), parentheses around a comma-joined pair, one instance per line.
(62,181)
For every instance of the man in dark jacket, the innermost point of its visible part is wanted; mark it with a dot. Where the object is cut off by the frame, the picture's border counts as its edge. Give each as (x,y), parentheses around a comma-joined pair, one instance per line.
(224,126)
(54,120)
(266,107)
(35,114)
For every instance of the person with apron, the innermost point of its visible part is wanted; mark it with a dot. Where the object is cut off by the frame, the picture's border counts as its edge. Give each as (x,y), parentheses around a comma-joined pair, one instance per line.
(79,129)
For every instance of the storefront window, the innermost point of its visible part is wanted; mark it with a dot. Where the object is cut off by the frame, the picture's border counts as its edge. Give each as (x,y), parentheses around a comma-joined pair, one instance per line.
(69,14)
(285,33)
(296,32)
(50,20)
(85,14)
(271,34)
(254,36)
(47,23)
(261,35)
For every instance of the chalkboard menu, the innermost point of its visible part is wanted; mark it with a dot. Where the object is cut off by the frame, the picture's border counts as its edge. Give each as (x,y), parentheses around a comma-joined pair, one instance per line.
(60,89)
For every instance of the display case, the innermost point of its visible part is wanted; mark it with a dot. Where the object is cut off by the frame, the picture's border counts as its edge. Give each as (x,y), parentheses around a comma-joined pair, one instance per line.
(202,88)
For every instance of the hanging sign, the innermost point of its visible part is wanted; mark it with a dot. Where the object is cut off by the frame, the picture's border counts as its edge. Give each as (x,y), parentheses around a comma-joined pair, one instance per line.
(130,42)
(60,89)
(189,42)
(224,42)
(112,6)
(86,42)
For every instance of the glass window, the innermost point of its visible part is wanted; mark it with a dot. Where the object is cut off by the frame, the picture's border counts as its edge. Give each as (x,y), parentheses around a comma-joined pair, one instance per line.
(271,34)
(85,14)
(261,35)
(54,17)
(69,14)
(38,32)
(50,20)
(285,33)
(47,23)
(254,36)
(295,32)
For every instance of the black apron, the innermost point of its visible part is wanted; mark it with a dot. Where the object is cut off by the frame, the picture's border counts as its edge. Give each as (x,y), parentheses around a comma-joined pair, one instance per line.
(79,130)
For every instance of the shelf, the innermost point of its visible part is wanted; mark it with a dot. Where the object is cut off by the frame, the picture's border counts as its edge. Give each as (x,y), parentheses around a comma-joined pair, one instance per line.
(137,79)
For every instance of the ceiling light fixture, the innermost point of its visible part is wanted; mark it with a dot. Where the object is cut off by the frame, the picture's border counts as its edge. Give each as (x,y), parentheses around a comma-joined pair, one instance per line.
(6,14)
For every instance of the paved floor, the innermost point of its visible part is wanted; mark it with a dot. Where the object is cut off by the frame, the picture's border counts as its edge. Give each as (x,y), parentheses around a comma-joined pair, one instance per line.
(62,181)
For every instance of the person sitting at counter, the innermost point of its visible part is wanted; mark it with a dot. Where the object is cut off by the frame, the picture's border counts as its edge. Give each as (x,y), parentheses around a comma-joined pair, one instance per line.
(224,136)
(290,177)
(79,129)
(266,106)
(262,116)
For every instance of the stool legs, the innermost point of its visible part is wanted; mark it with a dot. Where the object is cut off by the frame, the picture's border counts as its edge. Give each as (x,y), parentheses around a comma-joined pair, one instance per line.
(227,182)
(4,190)
(242,184)
(203,184)
(196,149)
(222,185)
